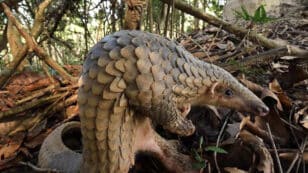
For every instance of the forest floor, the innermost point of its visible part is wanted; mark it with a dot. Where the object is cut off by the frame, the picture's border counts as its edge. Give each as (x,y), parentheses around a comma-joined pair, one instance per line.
(33,104)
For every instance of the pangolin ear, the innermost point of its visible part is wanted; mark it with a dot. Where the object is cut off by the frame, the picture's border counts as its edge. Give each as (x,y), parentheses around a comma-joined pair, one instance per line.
(214,85)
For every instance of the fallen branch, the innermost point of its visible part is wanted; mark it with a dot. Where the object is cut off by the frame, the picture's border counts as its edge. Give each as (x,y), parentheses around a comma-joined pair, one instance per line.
(36,94)
(27,106)
(249,126)
(262,58)
(69,101)
(238,31)
(37,169)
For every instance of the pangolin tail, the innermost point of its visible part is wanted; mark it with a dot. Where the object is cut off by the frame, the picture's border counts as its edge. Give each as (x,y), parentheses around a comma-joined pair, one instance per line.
(108,127)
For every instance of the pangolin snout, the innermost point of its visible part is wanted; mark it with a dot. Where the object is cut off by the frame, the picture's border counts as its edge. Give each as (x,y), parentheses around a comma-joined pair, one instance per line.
(262,110)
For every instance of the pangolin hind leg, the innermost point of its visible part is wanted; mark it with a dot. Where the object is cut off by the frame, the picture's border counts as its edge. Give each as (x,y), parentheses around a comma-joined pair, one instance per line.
(166,151)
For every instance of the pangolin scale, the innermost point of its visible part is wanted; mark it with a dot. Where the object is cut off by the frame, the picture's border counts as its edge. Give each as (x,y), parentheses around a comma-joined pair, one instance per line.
(133,74)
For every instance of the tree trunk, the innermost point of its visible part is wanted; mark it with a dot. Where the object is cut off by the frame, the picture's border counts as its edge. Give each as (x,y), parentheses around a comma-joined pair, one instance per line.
(167,20)
(182,21)
(85,24)
(163,16)
(150,15)
(133,14)
(196,20)
(113,15)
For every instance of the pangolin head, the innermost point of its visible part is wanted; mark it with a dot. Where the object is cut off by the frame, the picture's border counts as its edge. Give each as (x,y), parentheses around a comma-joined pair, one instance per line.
(226,91)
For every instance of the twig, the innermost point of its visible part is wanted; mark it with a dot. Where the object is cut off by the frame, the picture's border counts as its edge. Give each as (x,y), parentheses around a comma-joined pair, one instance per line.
(304,144)
(220,136)
(213,41)
(70,87)
(291,125)
(237,50)
(292,130)
(27,106)
(36,94)
(274,146)
(302,148)
(293,163)
(287,150)
(35,168)
(4,92)
(196,43)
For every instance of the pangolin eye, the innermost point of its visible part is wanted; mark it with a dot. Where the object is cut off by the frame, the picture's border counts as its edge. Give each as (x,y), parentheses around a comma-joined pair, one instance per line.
(228,92)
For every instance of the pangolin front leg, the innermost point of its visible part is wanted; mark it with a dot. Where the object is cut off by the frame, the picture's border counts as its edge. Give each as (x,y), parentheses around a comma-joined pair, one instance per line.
(172,118)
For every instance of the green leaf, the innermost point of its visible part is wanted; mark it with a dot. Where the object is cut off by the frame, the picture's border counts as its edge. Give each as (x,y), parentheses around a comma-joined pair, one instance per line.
(200,142)
(243,14)
(260,15)
(263,12)
(199,165)
(197,156)
(216,149)
(257,15)
(246,15)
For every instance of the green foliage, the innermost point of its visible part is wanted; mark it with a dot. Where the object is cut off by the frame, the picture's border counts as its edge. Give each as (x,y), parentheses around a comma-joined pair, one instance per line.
(243,14)
(200,162)
(259,16)
(216,149)
(215,7)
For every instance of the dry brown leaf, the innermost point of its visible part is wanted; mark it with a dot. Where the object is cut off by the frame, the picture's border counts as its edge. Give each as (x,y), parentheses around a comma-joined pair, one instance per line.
(295,74)
(222,46)
(37,140)
(263,93)
(71,111)
(36,129)
(265,159)
(273,118)
(9,147)
(291,155)
(199,54)
(277,127)
(301,117)
(186,42)
(275,87)
(279,67)
(212,59)
(255,129)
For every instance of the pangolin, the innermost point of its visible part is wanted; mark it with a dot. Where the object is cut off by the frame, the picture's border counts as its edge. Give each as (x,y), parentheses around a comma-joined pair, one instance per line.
(130,75)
